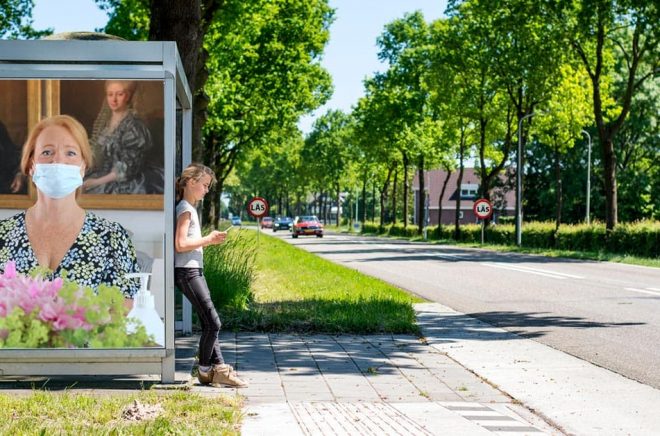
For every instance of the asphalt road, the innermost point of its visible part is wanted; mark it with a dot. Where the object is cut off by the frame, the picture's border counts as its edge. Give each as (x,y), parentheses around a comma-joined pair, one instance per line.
(605,313)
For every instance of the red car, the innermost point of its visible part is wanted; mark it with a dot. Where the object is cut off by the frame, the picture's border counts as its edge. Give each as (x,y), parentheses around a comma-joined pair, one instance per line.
(307,225)
(266,222)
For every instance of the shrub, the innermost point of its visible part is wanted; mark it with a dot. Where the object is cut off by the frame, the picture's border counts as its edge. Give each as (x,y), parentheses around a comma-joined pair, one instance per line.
(399,230)
(39,313)
(229,270)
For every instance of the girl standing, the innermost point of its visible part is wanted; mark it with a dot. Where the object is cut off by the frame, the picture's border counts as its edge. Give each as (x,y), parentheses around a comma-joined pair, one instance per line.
(191,187)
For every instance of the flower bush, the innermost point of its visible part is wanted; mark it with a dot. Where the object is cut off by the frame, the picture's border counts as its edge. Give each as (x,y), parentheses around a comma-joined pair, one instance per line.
(40,313)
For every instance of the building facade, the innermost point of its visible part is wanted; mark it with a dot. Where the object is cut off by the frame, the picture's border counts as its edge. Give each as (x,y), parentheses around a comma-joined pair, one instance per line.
(502,198)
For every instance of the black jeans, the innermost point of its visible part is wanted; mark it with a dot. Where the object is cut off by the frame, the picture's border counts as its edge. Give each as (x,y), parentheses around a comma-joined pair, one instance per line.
(192,283)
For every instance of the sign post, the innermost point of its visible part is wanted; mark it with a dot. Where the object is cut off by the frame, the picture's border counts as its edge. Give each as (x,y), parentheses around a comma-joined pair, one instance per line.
(483,209)
(258,208)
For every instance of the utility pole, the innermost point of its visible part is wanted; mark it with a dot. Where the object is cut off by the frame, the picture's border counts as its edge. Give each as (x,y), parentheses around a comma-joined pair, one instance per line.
(588,217)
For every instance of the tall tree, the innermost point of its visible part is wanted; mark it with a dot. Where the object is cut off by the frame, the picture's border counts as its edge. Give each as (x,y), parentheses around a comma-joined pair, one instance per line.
(184,21)
(595,29)
(327,152)
(566,114)
(16,20)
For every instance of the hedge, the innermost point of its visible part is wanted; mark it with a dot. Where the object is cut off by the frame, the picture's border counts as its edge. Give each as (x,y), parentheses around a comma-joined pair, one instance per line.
(637,239)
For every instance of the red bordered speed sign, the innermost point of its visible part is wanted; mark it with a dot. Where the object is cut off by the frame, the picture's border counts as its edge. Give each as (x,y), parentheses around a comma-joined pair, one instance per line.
(257,207)
(483,209)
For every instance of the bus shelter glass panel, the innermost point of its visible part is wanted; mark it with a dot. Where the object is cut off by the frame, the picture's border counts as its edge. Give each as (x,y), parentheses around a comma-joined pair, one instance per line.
(124,121)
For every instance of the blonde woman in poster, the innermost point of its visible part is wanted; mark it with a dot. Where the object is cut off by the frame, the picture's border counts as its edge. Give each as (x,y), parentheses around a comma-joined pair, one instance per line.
(56,233)
(122,143)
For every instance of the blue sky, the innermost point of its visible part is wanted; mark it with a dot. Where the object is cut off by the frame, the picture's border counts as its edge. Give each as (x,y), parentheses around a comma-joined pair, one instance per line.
(350,56)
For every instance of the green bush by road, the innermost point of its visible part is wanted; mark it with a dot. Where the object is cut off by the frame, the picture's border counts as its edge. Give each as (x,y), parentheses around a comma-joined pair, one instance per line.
(296,291)
(640,239)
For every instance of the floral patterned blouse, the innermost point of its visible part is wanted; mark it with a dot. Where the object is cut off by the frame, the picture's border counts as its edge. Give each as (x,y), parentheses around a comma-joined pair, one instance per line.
(101,254)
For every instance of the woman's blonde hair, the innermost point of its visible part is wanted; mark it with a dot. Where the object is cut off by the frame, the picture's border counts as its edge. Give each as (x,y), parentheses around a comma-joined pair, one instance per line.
(194,171)
(71,125)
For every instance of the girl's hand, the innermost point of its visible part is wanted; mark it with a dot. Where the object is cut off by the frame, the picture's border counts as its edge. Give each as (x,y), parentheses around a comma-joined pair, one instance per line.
(216,237)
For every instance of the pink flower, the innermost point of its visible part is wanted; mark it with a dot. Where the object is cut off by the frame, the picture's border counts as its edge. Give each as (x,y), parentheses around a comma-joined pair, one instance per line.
(40,299)
(10,270)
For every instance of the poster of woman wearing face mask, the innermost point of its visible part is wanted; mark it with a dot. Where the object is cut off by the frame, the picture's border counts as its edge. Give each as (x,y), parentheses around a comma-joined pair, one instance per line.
(124,121)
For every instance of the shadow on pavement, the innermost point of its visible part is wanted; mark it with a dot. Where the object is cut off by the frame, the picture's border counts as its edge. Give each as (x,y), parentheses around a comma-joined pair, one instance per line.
(448,328)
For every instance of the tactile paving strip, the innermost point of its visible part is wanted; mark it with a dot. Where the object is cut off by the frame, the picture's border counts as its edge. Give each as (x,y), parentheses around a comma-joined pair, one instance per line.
(329,418)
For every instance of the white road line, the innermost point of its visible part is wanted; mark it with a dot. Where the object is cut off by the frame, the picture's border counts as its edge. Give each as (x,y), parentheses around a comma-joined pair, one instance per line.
(541,272)
(654,289)
(570,276)
(643,291)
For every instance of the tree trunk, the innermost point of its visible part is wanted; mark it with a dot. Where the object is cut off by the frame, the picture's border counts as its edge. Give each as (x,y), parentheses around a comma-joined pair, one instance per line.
(338,205)
(406,187)
(394,183)
(186,22)
(442,195)
(459,180)
(383,198)
(558,188)
(363,209)
(373,202)
(421,204)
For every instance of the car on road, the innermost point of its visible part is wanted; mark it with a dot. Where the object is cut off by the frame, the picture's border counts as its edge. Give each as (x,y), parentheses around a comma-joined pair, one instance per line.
(307,225)
(282,223)
(236,220)
(267,222)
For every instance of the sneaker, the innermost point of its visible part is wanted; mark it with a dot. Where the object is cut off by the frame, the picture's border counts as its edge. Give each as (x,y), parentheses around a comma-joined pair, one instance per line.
(226,376)
(205,377)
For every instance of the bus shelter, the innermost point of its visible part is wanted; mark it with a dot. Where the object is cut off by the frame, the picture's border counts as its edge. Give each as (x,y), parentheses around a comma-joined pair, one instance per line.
(48,77)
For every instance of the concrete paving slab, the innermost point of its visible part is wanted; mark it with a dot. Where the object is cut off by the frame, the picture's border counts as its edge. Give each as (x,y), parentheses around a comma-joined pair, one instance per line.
(361,385)
(578,397)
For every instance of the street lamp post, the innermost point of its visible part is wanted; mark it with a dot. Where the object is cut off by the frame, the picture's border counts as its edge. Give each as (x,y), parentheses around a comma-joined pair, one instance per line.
(588,218)
(519,170)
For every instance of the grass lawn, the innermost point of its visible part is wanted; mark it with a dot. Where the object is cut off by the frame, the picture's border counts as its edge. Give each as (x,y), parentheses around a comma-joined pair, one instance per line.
(586,255)
(44,412)
(296,291)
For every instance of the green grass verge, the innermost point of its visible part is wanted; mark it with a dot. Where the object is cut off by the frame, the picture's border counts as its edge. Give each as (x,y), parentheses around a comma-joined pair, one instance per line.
(44,412)
(296,291)
(570,254)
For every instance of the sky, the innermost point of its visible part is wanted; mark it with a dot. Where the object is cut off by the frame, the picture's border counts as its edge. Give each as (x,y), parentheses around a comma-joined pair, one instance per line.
(350,56)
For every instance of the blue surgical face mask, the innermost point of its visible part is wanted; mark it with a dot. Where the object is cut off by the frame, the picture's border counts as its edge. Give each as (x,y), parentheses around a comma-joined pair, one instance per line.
(57,180)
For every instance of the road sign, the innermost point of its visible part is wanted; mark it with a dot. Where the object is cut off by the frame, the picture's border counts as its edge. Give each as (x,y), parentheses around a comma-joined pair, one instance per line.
(257,207)
(483,209)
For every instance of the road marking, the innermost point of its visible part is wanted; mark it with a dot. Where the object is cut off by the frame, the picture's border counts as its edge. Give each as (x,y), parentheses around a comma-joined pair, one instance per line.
(654,289)
(538,271)
(644,291)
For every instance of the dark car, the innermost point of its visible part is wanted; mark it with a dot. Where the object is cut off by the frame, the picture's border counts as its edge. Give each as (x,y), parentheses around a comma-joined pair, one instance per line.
(307,225)
(282,223)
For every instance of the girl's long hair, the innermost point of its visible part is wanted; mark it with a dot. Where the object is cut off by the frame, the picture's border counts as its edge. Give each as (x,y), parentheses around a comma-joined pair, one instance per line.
(194,171)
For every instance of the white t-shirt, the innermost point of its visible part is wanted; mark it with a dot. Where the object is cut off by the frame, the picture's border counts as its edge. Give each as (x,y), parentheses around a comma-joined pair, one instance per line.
(193,258)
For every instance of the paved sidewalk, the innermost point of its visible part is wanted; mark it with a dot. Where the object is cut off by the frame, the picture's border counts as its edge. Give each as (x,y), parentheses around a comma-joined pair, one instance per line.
(364,385)
(577,396)
(465,378)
